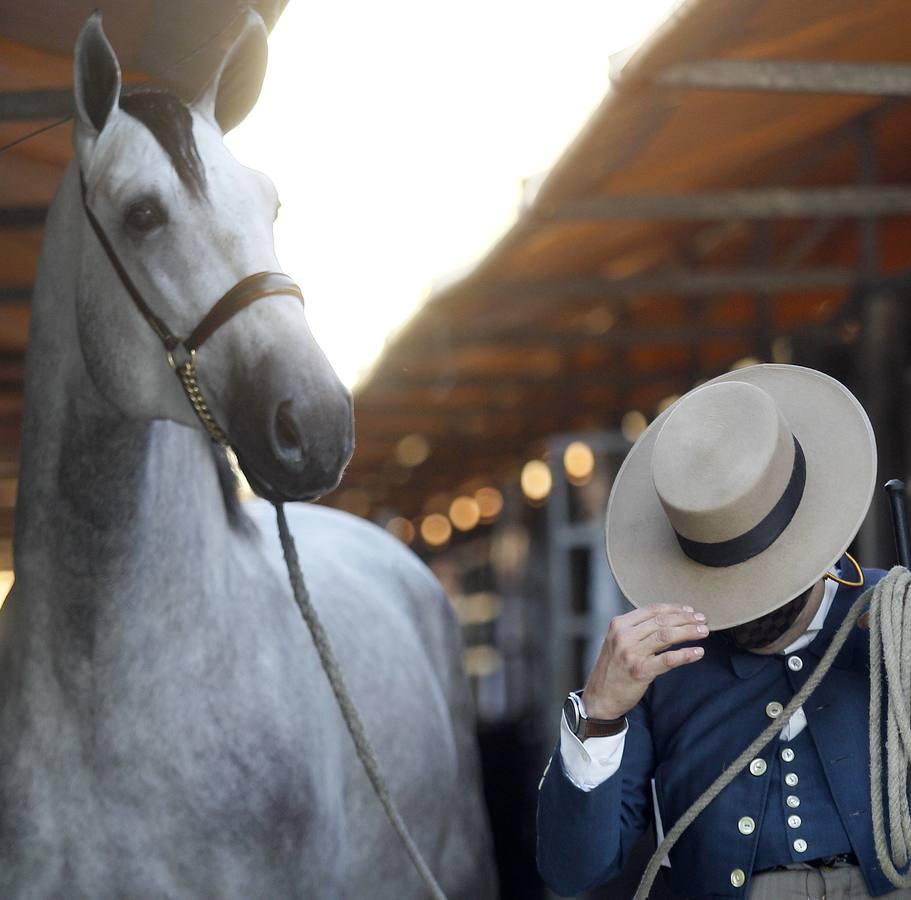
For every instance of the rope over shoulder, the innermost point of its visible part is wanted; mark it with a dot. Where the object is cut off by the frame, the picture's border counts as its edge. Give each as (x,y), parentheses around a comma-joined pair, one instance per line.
(890,654)
(349,712)
(890,649)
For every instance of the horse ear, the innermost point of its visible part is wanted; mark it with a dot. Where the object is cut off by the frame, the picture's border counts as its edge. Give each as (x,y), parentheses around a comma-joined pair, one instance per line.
(234,88)
(96,83)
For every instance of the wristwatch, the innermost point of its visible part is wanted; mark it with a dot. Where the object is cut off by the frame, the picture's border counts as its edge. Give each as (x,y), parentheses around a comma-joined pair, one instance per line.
(584,727)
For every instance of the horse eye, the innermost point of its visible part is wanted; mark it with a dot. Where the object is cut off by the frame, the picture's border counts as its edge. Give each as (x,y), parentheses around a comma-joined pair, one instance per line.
(144,215)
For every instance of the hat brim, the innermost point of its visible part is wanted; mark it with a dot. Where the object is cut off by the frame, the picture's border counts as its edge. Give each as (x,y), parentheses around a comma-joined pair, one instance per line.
(840,451)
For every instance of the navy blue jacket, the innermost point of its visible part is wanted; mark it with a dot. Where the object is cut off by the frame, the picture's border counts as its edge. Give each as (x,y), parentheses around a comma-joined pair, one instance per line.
(691,724)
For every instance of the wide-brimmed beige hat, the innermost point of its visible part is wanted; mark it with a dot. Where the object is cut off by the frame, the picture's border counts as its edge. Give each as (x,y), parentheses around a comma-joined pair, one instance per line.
(742,494)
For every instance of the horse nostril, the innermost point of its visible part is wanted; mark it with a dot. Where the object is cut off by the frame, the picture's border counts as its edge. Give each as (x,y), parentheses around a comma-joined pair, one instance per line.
(288,440)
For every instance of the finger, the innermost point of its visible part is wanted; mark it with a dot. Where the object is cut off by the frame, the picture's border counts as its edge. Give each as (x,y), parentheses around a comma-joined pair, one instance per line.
(664,620)
(644,613)
(657,665)
(668,635)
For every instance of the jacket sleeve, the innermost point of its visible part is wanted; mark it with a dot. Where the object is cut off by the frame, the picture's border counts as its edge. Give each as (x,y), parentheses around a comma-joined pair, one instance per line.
(584,837)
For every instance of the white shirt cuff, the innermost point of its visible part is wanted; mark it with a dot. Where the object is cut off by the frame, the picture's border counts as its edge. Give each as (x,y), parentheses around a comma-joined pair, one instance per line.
(590,763)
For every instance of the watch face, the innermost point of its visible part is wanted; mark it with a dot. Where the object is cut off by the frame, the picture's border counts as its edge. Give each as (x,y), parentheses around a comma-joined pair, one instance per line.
(571,711)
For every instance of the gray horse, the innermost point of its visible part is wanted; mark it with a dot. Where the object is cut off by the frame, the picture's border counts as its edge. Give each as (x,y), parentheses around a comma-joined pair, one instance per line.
(166,730)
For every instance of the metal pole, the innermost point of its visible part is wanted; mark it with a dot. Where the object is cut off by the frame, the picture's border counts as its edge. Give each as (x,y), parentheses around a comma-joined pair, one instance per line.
(895,488)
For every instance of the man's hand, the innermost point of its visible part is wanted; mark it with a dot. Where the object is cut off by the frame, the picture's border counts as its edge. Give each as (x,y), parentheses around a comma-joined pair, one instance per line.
(635,652)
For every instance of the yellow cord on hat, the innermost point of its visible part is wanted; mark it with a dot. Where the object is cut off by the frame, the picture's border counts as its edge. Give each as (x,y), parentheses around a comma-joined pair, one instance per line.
(860,575)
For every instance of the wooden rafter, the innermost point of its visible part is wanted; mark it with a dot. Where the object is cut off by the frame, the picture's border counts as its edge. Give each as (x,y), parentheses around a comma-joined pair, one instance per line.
(865,79)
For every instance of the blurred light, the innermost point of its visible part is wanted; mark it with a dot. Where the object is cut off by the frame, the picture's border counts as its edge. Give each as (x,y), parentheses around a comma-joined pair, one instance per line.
(6,582)
(782,348)
(482,660)
(412,450)
(355,501)
(579,462)
(436,530)
(667,402)
(536,480)
(477,609)
(490,503)
(465,513)
(437,503)
(744,362)
(509,550)
(401,528)
(633,424)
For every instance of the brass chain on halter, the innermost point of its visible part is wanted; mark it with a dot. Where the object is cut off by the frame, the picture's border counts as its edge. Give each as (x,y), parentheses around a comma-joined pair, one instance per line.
(187,373)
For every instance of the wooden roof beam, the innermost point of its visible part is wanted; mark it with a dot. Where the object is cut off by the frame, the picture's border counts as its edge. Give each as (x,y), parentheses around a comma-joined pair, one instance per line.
(677,281)
(12,296)
(23,106)
(22,216)
(853,201)
(863,79)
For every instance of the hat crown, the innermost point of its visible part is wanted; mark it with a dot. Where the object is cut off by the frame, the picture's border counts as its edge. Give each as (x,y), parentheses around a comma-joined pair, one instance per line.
(722,461)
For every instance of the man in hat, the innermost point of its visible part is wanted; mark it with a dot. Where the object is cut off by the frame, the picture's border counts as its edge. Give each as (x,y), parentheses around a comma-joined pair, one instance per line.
(727,528)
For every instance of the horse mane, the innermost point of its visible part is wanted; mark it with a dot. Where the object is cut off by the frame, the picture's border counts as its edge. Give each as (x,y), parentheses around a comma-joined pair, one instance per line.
(169,120)
(237,517)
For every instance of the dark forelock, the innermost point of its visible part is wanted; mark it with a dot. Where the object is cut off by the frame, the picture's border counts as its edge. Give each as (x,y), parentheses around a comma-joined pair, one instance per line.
(171,124)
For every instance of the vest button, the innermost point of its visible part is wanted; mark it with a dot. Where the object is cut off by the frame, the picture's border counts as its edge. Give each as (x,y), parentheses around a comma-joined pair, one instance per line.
(800,845)
(758,767)
(791,779)
(773,710)
(795,663)
(793,801)
(738,879)
(746,825)
(787,754)
(794,821)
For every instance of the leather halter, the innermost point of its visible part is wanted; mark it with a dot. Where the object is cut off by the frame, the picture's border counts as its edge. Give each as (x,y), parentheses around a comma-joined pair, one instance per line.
(182,351)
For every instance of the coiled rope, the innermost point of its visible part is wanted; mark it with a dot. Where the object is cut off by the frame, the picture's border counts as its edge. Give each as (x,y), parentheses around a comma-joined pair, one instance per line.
(349,712)
(890,650)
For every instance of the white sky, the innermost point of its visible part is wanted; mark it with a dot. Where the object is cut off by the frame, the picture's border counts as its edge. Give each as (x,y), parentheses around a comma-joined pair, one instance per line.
(398,135)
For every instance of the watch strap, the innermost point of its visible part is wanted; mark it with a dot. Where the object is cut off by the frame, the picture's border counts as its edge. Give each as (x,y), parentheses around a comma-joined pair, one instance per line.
(600,727)
(585,726)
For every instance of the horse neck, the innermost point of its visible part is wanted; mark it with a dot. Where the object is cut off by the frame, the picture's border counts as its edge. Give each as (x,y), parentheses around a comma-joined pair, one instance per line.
(108,507)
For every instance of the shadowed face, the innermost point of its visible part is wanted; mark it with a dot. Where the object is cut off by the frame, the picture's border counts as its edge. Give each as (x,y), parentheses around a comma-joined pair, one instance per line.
(778,629)
(188,222)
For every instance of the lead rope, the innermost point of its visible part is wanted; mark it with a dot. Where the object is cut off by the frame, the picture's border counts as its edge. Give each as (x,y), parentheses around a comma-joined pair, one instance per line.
(343,698)
(894,645)
(890,646)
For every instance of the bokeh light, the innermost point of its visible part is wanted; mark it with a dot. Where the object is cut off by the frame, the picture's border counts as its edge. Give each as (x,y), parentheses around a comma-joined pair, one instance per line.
(412,450)
(633,424)
(6,582)
(482,660)
(435,530)
(490,503)
(465,513)
(536,480)
(579,462)
(401,528)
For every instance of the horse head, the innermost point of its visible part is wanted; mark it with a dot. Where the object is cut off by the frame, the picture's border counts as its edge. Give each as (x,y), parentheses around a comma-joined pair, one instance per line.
(187,224)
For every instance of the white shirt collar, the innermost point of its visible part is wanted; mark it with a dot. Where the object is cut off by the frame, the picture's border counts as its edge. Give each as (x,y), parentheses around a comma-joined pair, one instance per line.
(818,620)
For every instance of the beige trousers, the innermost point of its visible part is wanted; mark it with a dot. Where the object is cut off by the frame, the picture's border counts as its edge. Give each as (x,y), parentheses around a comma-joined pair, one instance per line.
(839,883)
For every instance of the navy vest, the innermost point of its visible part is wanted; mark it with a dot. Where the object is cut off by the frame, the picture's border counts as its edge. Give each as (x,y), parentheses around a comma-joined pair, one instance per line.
(691,724)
